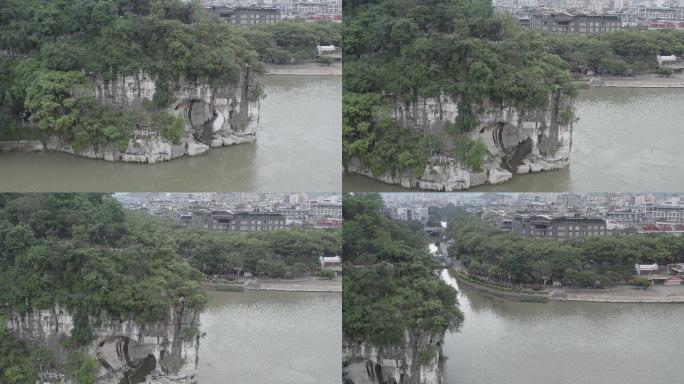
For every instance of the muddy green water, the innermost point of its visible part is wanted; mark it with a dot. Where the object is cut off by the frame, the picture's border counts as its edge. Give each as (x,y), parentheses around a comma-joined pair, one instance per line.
(298,149)
(563,342)
(626,140)
(271,337)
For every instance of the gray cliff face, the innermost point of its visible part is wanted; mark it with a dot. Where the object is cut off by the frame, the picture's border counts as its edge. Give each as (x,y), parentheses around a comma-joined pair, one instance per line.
(161,353)
(214,117)
(517,141)
(417,361)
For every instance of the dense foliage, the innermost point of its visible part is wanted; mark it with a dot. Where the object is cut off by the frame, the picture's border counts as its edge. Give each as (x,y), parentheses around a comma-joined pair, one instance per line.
(279,254)
(616,53)
(397,51)
(82,253)
(52,51)
(488,252)
(292,42)
(389,280)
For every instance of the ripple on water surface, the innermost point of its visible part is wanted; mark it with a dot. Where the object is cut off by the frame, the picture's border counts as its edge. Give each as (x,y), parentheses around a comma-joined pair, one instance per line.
(271,337)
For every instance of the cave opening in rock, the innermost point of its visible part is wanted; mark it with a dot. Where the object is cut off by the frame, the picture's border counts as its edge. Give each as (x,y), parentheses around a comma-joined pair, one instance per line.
(515,159)
(201,116)
(138,374)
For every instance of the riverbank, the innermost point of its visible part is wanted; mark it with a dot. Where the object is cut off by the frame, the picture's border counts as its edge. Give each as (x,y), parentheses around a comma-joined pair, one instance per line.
(623,294)
(618,294)
(148,150)
(500,292)
(644,81)
(307,69)
(297,285)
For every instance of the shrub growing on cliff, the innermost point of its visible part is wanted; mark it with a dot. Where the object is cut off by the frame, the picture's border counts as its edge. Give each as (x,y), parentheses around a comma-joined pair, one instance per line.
(17,364)
(475,156)
(87,373)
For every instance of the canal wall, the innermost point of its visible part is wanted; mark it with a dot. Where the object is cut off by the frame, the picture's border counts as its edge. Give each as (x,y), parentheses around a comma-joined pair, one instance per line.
(541,297)
(647,81)
(418,360)
(163,352)
(212,116)
(309,69)
(518,141)
(623,295)
(313,285)
(617,295)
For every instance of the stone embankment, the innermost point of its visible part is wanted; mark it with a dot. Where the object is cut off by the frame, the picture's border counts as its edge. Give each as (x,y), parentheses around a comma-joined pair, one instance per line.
(309,69)
(299,285)
(623,294)
(646,81)
(537,297)
(618,294)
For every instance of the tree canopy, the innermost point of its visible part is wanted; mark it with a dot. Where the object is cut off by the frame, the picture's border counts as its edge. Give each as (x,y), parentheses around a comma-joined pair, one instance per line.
(511,258)
(616,53)
(89,256)
(389,281)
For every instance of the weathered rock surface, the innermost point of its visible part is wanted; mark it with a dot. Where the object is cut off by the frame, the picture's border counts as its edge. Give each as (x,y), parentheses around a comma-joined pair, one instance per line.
(161,353)
(21,146)
(517,141)
(418,361)
(214,117)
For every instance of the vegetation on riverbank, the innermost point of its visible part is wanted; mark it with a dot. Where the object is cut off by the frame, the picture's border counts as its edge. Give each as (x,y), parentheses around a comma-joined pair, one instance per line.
(389,281)
(512,259)
(291,42)
(486,287)
(399,51)
(617,53)
(276,254)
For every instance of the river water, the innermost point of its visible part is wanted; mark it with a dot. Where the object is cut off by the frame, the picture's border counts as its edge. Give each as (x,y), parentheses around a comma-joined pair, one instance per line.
(298,149)
(627,139)
(271,337)
(563,342)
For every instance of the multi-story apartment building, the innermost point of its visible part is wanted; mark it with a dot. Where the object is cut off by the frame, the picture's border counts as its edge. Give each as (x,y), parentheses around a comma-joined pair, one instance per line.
(659,13)
(626,216)
(557,228)
(247,15)
(228,221)
(573,24)
(669,213)
(326,209)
